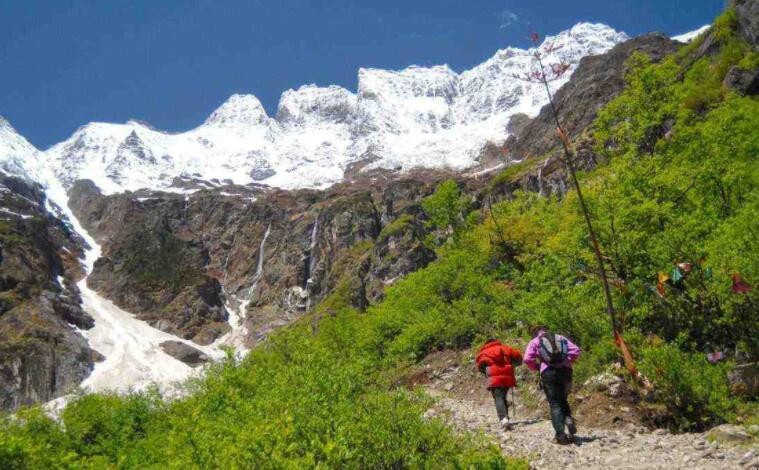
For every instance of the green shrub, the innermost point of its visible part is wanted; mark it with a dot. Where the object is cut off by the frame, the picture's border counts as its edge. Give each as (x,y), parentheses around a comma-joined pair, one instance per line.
(396,227)
(694,391)
(725,25)
(446,207)
(104,425)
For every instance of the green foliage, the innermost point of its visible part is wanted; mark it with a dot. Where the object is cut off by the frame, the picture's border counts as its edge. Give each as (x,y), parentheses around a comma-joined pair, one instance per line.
(750,61)
(446,207)
(101,425)
(307,399)
(695,391)
(513,172)
(725,25)
(400,224)
(10,236)
(31,440)
(691,198)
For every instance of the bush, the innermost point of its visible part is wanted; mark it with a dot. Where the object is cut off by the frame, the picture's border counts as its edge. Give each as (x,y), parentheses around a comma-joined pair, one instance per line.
(695,392)
(446,206)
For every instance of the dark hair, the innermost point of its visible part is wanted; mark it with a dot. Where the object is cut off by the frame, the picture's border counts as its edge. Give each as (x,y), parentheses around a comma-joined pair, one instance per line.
(536,329)
(490,340)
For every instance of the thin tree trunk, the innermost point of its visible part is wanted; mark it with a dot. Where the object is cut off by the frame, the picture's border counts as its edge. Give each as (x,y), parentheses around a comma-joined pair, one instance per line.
(568,161)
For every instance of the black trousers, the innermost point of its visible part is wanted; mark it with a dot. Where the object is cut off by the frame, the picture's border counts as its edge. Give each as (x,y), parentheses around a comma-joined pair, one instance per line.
(501,405)
(557,383)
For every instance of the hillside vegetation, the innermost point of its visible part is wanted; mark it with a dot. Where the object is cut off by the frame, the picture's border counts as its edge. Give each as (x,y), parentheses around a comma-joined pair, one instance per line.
(678,185)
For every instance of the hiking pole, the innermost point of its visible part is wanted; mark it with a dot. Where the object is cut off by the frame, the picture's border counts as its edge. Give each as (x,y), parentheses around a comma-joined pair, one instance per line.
(513,402)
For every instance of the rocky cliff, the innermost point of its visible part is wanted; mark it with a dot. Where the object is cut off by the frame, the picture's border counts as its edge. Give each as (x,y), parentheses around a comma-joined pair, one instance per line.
(184,263)
(597,80)
(42,355)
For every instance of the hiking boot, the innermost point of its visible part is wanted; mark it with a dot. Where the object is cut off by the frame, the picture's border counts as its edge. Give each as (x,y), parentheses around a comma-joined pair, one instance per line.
(506,424)
(571,425)
(562,439)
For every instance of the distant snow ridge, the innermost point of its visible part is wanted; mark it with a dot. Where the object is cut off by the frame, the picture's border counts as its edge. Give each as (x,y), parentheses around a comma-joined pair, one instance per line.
(688,37)
(417,117)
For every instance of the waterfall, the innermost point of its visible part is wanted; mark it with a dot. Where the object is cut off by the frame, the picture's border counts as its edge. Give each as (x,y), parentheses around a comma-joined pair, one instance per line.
(260,267)
(311,262)
(541,192)
(311,253)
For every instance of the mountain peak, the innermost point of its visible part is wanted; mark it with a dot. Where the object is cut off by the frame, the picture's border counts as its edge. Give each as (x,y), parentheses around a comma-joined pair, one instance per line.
(238,110)
(18,157)
(333,103)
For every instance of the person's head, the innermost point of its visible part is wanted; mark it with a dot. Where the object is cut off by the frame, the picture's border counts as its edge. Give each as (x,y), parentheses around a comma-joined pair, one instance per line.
(535,330)
(490,340)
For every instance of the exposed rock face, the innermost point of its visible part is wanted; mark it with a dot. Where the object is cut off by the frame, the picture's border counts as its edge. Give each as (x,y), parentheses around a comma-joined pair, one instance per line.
(182,263)
(745,82)
(748,20)
(597,80)
(185,353)
(41,354)
(744,379)
(150,267)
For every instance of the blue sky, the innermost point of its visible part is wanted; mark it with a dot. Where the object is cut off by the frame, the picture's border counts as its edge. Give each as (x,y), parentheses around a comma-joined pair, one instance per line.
(171,62)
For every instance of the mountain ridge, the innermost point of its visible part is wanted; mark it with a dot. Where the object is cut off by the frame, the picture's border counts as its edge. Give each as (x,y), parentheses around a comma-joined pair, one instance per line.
(428,117)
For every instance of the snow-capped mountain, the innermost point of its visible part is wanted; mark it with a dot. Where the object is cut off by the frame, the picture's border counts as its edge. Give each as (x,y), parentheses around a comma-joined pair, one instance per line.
(416,117)
(18,157)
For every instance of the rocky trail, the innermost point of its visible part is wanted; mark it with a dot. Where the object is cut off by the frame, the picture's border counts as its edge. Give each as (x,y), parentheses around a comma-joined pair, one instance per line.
(629,447)
(463,403)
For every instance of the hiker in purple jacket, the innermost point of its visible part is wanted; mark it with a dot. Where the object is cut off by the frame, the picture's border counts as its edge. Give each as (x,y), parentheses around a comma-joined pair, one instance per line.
(554,355)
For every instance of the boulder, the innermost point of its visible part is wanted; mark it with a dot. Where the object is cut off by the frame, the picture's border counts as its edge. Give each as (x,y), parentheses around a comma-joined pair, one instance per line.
(728,433)
(184,352)
(604,382)
(744,380)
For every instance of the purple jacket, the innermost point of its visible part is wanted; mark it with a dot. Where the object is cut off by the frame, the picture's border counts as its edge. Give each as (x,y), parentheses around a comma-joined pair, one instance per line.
(531,355)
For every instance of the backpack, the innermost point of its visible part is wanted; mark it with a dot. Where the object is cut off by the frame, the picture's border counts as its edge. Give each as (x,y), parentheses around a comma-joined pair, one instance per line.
(552,349)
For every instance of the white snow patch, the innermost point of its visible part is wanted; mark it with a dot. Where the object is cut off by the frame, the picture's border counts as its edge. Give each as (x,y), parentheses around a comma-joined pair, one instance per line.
(15,214)
(485,171)
(184,191)
(690,36)
(239,331)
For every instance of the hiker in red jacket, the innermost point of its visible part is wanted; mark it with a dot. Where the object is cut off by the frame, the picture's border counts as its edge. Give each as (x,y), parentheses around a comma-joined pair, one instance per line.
(497,361)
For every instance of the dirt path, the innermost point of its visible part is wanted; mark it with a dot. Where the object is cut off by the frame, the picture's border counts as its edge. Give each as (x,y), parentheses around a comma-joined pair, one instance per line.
(631,447)
(608,436)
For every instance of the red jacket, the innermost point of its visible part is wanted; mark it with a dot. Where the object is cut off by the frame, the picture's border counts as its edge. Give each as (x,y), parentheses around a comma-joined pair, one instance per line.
(497,357)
